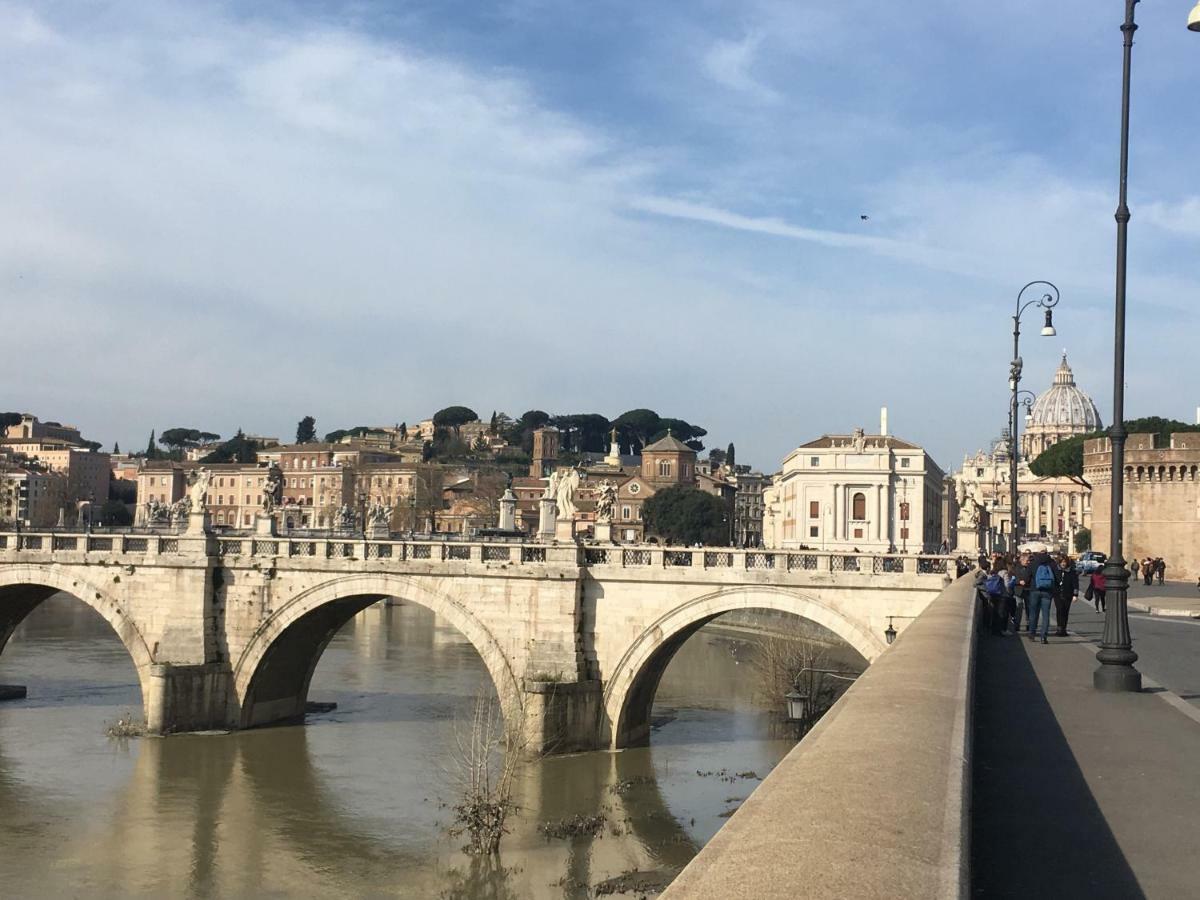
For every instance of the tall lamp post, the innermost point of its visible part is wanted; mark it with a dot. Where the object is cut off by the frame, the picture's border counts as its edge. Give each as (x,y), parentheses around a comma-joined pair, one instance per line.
(1047,301)
(1116,655)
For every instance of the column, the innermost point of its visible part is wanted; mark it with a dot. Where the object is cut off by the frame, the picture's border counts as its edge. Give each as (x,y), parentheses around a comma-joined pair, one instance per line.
(833,504)
(881,512)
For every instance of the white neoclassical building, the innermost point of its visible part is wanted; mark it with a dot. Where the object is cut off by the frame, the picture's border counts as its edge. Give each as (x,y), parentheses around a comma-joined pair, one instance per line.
(870,492)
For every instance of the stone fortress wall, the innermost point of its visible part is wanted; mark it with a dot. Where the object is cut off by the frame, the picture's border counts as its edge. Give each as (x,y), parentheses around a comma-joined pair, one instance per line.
(1162,499)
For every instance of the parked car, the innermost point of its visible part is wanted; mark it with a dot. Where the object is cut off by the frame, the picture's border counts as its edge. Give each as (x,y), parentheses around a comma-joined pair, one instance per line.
(1091,561)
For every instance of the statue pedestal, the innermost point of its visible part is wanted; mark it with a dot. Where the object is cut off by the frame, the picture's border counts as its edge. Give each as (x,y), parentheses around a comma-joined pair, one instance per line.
(564,530)
(508,511)
(379,531)
(264,524)
(604,532)
(547,514)
(198,522)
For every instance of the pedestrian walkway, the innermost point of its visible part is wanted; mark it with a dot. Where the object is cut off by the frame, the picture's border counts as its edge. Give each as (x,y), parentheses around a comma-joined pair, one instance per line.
(1078,793)
(1173,598)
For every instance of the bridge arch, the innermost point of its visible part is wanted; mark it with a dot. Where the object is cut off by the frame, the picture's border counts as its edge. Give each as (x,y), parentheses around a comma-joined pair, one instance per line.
(629,691)
(272,673)
(24,587)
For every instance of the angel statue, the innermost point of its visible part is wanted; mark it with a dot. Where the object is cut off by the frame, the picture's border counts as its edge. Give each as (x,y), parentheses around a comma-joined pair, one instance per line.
(606,499)
(564,492)
(273,489)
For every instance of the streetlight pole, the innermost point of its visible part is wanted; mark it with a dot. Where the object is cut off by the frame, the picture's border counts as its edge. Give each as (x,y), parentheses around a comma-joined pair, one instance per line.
(1047,301)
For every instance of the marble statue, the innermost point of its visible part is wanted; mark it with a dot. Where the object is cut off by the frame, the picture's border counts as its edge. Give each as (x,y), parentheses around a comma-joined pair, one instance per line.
(198,482)
(606,499)
(379,516)
(179,510)
(273,489)
(566,482)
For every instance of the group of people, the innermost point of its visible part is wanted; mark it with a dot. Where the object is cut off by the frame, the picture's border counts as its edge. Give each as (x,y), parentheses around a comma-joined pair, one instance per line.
(1027,586)
(1152,569)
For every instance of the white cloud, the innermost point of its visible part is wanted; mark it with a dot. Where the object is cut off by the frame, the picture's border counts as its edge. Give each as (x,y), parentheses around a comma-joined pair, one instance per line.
(730,63)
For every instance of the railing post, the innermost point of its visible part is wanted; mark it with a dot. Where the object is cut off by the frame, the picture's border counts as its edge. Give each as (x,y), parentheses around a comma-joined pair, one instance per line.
(910,565)
(825,563)
(657,557)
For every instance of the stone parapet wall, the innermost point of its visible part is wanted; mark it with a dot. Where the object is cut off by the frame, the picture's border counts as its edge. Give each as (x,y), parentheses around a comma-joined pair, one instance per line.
(875,801)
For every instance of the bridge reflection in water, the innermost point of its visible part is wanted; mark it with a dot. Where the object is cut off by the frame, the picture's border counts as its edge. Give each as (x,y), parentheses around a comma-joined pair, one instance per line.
(354,803)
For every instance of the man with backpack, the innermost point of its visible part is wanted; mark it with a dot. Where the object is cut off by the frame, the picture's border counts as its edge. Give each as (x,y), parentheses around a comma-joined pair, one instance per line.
(996,591)
(1022,583)
(1067,591)
(1044,583)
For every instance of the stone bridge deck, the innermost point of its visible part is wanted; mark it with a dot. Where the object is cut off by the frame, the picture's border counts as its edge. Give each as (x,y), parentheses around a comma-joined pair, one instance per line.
(226,629)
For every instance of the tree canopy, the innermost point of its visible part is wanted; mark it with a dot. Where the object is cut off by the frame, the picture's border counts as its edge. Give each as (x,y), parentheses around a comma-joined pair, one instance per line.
(454,417)
(520,433)
(182,438)
(9,418)
(687,515)
(583,432)
(645,426)
(334,436)
(237,449)
(306,430)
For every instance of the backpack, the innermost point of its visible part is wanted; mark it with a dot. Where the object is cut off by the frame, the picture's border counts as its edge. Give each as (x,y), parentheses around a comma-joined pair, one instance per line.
(1043,578)
(994,586)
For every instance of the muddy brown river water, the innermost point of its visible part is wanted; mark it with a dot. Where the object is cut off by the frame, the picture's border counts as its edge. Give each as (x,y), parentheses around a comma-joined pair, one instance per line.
(355,802)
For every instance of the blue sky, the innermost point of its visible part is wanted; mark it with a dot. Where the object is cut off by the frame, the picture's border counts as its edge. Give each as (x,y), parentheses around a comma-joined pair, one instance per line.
(224,215)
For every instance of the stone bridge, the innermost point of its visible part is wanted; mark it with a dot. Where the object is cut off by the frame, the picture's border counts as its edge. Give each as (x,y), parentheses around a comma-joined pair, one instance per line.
(226,630)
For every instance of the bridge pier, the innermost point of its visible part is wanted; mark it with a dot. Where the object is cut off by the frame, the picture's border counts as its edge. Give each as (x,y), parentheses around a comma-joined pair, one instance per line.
(188,698)
(561,716)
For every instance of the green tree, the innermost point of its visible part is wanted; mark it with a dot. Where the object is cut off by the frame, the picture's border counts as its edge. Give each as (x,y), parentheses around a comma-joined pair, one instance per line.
(114,512)
(520,433)
(717,457)
(454,417)
(237,449)
(116,447)
(583,432)
(731,455)
(151,448)
(687,515)
(9,418)
(183,438)
(637,426)
(306,430)
(1083,540)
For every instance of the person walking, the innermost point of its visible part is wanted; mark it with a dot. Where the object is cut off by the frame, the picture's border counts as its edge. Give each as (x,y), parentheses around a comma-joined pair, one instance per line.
(1065,593)
(1098,591)
(1022,582)
(1044,584)
(1160,570)
(1133,567)
(1147,571)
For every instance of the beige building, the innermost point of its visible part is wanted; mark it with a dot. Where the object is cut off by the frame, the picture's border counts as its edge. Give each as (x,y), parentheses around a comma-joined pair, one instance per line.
(31,497)
(87,472)
(1161,499)
(30,428)
(873,493)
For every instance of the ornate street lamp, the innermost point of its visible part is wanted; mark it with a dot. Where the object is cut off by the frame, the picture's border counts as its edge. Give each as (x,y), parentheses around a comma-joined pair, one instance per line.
(890,631)
(1047,301)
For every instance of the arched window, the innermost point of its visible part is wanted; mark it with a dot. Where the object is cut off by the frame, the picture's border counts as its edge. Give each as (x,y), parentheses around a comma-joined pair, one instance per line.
(859,510)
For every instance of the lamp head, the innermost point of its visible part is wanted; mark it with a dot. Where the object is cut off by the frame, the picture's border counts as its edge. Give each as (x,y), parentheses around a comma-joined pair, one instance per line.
(1194,19)
(1048,328)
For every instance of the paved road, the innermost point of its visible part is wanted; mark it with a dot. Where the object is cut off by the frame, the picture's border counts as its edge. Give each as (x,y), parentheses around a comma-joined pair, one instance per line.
(1168,648)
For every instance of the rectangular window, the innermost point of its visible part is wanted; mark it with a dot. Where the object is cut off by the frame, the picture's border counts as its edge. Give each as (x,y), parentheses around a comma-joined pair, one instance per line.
(814,461)
(814,509)
(858,532)
(625,513)
(813,531)
(904,461)
(904,534)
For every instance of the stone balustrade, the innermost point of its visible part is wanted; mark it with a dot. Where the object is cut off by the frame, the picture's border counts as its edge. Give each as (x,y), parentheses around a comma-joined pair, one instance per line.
(623,556)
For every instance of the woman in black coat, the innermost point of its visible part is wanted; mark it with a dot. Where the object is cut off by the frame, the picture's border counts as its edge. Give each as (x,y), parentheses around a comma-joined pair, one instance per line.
(1066,589)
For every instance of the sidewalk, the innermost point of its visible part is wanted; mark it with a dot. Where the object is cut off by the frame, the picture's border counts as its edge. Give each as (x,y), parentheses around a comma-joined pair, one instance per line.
(1078,793)
(1174,598)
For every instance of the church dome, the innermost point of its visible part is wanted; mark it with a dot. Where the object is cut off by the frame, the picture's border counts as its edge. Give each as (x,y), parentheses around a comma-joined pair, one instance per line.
(1064,407)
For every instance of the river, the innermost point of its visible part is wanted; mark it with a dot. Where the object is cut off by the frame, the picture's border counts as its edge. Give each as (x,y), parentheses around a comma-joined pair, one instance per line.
(356,803)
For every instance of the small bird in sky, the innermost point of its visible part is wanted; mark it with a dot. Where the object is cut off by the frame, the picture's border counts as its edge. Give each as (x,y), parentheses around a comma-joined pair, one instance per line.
(864,218)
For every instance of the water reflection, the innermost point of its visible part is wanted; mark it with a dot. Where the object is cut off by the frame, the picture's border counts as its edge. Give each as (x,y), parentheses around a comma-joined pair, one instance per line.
(355,803)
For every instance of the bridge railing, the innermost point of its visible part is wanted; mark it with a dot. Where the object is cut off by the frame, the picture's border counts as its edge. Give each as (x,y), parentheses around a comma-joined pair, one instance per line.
(486,553)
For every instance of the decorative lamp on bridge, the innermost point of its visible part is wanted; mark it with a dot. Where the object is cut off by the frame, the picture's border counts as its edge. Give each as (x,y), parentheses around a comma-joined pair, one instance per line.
(1048,328)
(797,704)
(890,631)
